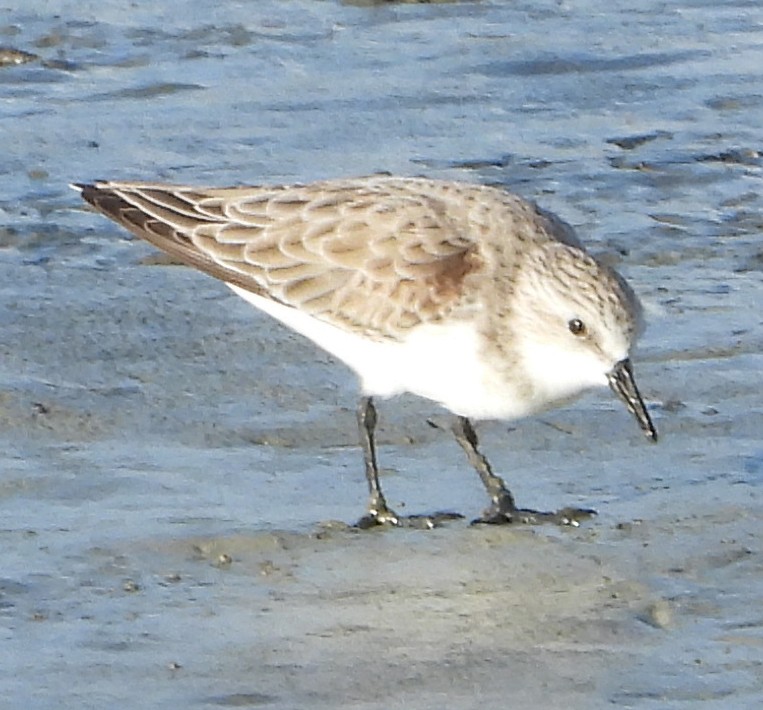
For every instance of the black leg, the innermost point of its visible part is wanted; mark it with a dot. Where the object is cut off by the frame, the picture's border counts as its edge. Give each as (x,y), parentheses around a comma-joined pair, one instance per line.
(379,513)
(502,508)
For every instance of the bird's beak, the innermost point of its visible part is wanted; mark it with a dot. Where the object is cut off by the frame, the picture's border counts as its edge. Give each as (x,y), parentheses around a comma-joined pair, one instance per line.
(624,386)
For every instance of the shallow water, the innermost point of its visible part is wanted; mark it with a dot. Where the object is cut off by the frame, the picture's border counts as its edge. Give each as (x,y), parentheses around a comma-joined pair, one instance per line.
(168,455)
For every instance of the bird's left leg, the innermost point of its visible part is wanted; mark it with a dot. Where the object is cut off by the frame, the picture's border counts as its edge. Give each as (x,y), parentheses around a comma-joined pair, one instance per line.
(503,509)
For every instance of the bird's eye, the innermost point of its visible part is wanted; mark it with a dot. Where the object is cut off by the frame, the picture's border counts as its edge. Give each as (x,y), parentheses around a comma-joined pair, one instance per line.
(577,327)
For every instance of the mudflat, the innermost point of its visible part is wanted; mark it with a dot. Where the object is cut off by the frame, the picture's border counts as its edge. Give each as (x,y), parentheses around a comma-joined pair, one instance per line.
(177,471)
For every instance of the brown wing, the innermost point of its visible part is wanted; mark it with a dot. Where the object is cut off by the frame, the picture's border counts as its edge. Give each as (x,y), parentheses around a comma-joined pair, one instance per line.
(372,255)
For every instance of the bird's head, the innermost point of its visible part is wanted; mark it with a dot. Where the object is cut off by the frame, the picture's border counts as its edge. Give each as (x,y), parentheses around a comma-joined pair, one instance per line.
(576,322)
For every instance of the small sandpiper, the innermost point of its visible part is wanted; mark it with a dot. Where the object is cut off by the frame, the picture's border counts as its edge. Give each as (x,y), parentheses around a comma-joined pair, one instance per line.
(467,295)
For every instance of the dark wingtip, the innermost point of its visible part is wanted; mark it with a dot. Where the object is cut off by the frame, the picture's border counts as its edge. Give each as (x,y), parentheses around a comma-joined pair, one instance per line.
(86,191)
(89,191)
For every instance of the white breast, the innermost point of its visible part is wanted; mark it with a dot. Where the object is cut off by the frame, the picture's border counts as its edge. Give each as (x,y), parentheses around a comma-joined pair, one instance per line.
(441,362)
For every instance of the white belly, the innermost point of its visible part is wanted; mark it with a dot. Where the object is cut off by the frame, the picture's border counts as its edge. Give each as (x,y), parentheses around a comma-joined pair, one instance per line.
(441,362)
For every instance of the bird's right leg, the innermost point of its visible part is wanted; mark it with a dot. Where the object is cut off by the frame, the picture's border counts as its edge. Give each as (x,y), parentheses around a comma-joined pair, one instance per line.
(379,513)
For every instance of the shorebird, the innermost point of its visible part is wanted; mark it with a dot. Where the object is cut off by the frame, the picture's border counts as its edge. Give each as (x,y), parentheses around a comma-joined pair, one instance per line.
(467,295)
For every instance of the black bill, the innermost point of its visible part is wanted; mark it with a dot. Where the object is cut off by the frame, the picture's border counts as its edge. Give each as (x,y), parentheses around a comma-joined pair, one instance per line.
(624,386)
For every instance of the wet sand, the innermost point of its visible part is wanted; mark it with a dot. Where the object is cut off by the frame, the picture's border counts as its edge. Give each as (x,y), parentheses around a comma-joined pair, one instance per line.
(174,465)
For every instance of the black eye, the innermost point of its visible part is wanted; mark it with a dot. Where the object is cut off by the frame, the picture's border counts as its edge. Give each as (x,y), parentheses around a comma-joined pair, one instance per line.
(577,327)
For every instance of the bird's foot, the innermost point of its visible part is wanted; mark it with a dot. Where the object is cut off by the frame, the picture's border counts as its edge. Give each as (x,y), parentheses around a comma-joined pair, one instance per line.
(503,511)
(381,515)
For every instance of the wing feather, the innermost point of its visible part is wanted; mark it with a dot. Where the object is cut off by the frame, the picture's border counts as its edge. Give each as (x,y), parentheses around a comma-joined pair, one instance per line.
(374,255)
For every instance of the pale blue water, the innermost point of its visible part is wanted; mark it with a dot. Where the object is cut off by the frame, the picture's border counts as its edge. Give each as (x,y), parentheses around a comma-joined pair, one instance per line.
(141,404)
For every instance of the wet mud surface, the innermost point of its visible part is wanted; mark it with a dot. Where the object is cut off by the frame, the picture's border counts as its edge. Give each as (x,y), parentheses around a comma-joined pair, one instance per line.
(173,464)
